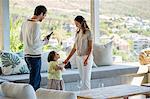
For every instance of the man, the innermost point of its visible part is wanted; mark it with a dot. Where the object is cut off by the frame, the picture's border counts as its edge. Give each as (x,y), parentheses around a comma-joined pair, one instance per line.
(30,36)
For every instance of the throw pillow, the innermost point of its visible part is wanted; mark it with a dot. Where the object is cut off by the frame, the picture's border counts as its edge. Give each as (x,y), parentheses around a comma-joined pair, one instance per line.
(44,66)
(20,54)
(103,54)
(12,63)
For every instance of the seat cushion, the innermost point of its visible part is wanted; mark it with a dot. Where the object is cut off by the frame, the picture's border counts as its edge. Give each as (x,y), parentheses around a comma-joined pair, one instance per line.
(103,54)
(54,94)
(18,90)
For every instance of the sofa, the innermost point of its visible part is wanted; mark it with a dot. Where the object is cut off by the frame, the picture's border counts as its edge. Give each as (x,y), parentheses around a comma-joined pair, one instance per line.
(9,90)
(14,63)
(108,75)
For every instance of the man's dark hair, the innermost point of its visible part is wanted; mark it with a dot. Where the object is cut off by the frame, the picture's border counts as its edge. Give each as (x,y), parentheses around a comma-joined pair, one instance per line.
(40,9)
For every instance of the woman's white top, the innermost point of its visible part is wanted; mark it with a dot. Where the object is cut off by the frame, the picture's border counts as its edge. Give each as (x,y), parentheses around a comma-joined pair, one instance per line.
(81,42)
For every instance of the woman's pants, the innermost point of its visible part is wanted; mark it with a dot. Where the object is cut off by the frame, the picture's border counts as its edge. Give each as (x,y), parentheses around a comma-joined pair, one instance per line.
(85,71)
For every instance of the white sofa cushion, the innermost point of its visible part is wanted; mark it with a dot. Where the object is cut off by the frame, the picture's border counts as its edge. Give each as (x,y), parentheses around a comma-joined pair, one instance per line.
(103,54)
(18,90)
(11,63)
(54,94)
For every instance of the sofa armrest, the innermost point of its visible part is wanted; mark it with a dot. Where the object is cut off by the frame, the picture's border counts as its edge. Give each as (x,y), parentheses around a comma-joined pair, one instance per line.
(18,90)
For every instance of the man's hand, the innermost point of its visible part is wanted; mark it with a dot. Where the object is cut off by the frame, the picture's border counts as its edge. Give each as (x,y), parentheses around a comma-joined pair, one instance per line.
(45,41)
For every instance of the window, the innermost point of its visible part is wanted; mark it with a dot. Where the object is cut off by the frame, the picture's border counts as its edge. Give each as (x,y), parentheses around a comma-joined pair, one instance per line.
(129,22)
(60,20)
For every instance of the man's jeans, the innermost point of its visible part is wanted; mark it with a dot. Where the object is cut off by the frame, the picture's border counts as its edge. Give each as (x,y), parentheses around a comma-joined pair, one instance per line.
(34,65)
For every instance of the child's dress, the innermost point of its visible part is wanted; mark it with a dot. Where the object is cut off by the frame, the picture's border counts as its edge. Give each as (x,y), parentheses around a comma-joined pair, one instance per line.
(55,80)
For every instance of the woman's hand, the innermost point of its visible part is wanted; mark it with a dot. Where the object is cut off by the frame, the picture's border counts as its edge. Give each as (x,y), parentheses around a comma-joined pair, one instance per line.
(85,58)
(85,62)
(65,62)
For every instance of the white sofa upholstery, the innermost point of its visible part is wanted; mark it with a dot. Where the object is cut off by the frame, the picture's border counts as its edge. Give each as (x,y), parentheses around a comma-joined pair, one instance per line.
(11,90)
(54,94)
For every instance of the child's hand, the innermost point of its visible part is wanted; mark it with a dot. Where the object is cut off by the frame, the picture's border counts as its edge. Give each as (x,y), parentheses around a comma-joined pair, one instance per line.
(62,65)
(58,68)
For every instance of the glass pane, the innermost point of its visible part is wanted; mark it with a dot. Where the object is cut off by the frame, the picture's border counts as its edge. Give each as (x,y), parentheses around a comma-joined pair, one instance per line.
(129,22)
(59,19)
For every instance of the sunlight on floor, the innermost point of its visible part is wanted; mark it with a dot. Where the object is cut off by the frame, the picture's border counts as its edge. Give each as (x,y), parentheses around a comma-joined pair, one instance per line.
(138,97)
(137,81)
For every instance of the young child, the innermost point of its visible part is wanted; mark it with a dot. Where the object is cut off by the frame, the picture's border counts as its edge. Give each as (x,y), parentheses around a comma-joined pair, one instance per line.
(55,80)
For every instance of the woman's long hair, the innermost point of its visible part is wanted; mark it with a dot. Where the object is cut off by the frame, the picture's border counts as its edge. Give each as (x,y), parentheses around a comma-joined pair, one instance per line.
(83,23)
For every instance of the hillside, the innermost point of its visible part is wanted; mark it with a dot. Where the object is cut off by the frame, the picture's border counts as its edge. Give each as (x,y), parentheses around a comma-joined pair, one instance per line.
(139,8)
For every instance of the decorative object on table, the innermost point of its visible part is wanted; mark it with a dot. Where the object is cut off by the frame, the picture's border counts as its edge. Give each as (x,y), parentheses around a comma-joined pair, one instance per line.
(144,56)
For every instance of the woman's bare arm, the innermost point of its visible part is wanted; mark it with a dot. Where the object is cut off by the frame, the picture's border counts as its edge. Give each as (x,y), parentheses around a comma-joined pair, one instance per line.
(90,47)
(70,55)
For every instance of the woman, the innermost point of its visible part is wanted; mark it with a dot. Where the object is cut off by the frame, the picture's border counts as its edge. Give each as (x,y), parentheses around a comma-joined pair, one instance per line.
(83,49)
